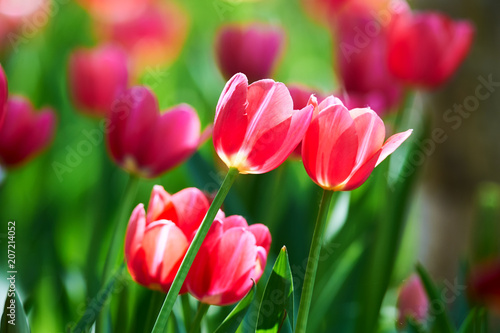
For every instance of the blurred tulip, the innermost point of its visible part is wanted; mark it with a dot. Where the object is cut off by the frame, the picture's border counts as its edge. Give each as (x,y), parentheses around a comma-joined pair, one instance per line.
(341,147)
(24,133)
(97,77)
(156,243)
(425,49)
(153,38)
(146,143)
(484,284)
(20,8)
(114,10)
(255,126)
(4,91)
(252,50)
(412,301)
(361,53)
(232,255)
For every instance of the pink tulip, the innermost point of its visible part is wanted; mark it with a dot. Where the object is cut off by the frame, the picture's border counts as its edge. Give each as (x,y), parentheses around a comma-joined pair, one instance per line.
(156,243)
(484,284)
(24,133)
(114,10)
(412,301)
(232,256)
(4,91)
(252,50)
(341,147)
(425,49)
(97,77)
(153,38)
(255,126)
(146,143)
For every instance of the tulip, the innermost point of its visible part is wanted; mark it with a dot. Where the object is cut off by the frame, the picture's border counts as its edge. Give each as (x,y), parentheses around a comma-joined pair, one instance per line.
(255,126)
(4,91)
(153,38)
(425,49)
(252,50)
(484,286)
(146,143)
(412,301)
(97,77)
(341,147)
(232,256)
(114,10)
(25,133)
(156,242)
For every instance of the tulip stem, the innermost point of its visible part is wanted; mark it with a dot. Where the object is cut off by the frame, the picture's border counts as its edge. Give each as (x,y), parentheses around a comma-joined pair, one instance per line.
(200,313)
(161,321)
(186,310)
(312,262)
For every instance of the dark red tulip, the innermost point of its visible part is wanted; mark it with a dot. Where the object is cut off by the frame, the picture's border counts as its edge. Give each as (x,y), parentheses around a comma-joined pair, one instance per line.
(24,133)
(425,49)
(484,284)
(97,77)
(146,143)
(249,49)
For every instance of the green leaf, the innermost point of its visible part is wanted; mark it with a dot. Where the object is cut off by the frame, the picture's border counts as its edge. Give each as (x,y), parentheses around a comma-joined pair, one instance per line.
(233,320)
(14,318)
(277,301)
(476,322)
(442,321)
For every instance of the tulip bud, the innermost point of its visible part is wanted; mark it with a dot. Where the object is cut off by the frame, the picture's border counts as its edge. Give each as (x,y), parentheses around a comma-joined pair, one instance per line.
(252,50)
(156,243)
(255,126)
(97,77)
(4,91)
(425,49)
(24,133)
(232,256)
(341,147)
(146,143)
(412,301)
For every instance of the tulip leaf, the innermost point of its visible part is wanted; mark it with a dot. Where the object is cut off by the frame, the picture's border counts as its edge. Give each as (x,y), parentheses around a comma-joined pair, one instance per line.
(442,322)
(14,318)
(233,320)
(475,322)
(277,301)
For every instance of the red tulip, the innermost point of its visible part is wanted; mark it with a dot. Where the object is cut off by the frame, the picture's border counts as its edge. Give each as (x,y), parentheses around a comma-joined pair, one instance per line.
(255,126)
(232,255)
(341,147)
(252,50)
(4,91)
(156,243)
(153,38)
(361,53)
(484,284)
(97,77)
(412,301)
(24,133)
(146,143)
(425,49)
(114,10)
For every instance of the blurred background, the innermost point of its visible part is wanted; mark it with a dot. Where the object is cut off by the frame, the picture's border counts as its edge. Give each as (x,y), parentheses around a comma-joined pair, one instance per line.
(443,208)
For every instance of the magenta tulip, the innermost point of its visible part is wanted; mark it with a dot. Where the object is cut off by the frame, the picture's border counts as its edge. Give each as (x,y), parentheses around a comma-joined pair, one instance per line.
(97,77)
(156,243)
(232,256)
(25,133)
(412,301)
(252,50)
(255,126)
(341,147)
(146,143)
(425,49)
(4,91)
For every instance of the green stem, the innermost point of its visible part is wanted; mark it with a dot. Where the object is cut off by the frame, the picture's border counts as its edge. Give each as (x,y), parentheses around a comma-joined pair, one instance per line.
(115,250)
(312,262)
(186,310)
(202,310)
(161,321)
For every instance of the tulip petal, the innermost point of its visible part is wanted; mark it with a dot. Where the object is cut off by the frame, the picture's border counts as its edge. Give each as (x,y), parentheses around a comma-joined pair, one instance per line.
(160,206)
(235,221)
(262,235)
(135,232)
(362,173)
(371,133)
(392,144)
(190,206)
(330,161)
(230,117)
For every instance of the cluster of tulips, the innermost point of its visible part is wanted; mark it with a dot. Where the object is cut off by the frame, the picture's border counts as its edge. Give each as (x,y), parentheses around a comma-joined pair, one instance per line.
(184,242)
